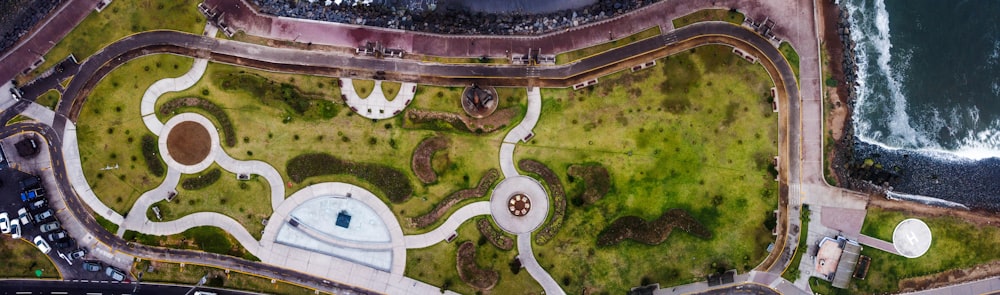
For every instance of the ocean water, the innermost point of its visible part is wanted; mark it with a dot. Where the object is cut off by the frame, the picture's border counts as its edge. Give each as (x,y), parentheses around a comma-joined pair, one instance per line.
(929,88)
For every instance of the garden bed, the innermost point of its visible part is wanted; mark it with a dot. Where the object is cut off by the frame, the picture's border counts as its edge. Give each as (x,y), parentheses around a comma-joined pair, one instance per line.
(228,134)
(422,158)
(558,195)
(494,235)
(480,190)
(392,182)
(651,233)
(472,274)
(443,121)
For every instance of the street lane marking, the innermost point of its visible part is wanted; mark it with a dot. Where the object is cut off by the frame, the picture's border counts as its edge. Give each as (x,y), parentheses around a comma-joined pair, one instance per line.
(23,292)
(58,293)
(94,294)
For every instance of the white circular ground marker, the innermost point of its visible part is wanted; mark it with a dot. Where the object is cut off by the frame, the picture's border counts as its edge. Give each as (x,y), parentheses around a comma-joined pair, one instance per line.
(911,238)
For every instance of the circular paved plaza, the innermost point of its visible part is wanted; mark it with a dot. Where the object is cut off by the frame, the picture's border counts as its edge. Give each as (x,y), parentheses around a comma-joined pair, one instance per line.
(911,238)
(519,204)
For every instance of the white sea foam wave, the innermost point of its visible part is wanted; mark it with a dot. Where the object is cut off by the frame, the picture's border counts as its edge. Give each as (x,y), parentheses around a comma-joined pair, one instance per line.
(925,200)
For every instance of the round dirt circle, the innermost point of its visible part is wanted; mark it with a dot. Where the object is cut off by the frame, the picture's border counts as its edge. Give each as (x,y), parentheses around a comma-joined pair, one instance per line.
(189,143)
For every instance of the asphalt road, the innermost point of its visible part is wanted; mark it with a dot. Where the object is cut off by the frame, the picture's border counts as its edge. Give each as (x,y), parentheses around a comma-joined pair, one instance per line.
(50,287)
(98,65)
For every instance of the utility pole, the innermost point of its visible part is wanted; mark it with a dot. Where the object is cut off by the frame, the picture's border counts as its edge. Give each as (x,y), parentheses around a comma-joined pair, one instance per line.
(137,282)
(200,282)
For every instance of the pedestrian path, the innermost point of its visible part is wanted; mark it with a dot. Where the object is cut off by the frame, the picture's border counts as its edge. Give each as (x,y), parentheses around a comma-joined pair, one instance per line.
(878,244)
(40,113)
(536,271)
(148,106)
(376,105)
(263,169)
(448,228)
(521,132)
(74,171)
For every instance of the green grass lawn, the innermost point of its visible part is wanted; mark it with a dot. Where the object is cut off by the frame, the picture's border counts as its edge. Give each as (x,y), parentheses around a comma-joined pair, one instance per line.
(955,244)
(731,16)
(249,202)
(20,258)
(110,130)
(50,99)
(271,131)
(790,55)
(571,56)
(390,89)
(436,265)
(123,18)
(696,133)
(202,238)
(364,88)
(190,274)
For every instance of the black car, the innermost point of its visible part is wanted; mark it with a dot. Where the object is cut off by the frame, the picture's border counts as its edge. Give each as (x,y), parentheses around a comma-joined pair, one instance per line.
(92,265)
(64,243)
(58,235)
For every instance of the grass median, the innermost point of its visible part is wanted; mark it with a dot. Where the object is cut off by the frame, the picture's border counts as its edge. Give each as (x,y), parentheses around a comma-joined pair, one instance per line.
(696,133)
(21,259)
(726,15)
(154,271)
(110,130)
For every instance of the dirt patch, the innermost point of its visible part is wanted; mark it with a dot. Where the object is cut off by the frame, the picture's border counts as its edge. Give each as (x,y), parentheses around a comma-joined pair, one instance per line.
(558,199)
(651,233)
(472,274)
(189,143)
(494,235)
(421,163)
(950,277)
(442,207)
(596,182)
(424,119)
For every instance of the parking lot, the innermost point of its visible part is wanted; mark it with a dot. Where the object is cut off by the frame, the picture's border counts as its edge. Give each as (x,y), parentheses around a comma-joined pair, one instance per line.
(27,185)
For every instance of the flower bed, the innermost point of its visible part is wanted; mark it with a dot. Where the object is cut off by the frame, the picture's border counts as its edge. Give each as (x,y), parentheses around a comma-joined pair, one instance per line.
(472,274)
(422,155)
(558,199)
(492,234)
(229,136)
(480,190)
(651,233)
(392,182)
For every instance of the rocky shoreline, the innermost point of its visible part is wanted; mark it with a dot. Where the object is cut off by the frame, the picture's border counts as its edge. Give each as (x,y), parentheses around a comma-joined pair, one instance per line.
(448,20)
(870,168)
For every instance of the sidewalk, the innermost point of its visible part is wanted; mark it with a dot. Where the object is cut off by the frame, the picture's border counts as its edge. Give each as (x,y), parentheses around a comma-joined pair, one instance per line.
(446,229)
(376,105)
(536,271)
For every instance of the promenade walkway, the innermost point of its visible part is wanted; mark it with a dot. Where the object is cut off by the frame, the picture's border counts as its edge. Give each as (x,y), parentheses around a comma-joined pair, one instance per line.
(376,105)
(148,106)
(878,244)
(448,228)
(536,271)
(521,132)
(74,171)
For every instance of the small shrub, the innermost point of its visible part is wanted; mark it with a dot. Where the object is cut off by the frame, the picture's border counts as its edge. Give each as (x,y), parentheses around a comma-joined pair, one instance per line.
(203,180)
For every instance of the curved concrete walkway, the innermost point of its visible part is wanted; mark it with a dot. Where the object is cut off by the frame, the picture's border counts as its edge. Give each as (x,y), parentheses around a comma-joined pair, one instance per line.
(536,271)
(376,105)
(263,169)
(148,107)
(520,132)
(74,171)
(449,226)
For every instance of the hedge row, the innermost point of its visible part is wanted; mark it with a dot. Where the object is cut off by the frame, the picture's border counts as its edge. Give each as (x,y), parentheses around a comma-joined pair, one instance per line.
(227,126)
(445,121)
(203,180)
(596,181)
(422,156)
(151,153)
(472,274)
(494,235)
(651,233)
(442,207)
(392,182)
(558,199)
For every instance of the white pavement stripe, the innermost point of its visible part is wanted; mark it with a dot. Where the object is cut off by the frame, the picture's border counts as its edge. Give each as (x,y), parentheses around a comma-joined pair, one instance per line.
(58,293)
(95,294)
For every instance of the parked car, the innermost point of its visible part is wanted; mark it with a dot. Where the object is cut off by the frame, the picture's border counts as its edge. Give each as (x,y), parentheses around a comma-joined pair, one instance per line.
(42,245)
(4,223)
(114,273)
(78,253)
(38,205)
(51,226)
(15,229)
(64,243)
(28,196)
(30,182)
(23,215)
(44,215)
(58,235)
(91,265)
